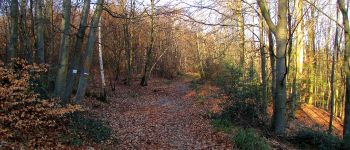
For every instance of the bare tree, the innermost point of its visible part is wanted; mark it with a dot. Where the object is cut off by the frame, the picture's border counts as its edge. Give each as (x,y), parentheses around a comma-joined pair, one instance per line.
(281,34)
(146,72)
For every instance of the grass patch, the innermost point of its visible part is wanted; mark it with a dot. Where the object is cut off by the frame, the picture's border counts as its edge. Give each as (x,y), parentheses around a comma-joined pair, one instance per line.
(249,140)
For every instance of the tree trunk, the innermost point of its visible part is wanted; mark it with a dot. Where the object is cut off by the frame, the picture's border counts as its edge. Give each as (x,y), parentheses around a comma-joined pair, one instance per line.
(299,40)
(84,74)
(50,13)
(11,52)
(344,11)
(291,55)
(147,72)
(278,122)
(60,83)
(32,27)
(299,57)
(40,53)
(264,100)
(199,57)
(103,93)
(240,18)
(312,57)
(74,66)
(330,129)
(25,40)
(127,42)
(281,35)
(272,64)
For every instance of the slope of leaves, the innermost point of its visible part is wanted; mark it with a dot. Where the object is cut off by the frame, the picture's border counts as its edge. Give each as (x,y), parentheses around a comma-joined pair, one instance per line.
(26,119)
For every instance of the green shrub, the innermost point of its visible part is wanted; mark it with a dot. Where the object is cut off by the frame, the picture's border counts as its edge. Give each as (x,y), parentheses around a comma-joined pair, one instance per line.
(248,140)
(233,83)
(316,139)
(245,105)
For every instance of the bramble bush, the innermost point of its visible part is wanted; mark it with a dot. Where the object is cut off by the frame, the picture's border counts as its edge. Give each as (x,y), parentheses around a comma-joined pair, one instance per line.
(27,120)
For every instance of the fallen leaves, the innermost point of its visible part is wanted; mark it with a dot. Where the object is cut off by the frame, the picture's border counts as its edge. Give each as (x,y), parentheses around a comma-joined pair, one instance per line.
(161,117)
(25,119)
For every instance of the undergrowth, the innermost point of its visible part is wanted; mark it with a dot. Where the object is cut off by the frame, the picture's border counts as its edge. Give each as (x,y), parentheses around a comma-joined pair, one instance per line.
(223,125)
(196,86)
(247,139)
(311,139)
(243,110)
(244,106)
(84,130)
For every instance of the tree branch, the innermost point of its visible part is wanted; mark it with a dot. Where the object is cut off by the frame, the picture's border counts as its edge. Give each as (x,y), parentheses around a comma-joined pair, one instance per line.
(265,12)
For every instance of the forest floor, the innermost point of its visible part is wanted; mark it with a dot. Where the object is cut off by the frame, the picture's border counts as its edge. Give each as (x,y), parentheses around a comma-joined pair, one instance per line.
(171,114)
(165,115)
(316,118)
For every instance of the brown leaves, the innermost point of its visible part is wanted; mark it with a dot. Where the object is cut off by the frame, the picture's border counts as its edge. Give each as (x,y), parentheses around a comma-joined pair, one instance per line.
(24,117)
(165,118)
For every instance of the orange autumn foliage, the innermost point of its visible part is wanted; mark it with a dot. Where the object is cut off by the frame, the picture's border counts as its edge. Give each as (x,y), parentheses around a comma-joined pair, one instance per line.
(24,116)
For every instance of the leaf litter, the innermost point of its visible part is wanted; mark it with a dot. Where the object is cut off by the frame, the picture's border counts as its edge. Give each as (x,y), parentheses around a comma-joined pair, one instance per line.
(161,116)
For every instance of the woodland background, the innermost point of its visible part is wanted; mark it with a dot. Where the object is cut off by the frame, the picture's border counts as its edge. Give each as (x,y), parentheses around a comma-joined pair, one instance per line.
(271,58)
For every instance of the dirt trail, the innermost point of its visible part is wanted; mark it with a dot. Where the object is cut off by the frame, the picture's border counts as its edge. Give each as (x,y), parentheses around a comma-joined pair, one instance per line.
(161,116)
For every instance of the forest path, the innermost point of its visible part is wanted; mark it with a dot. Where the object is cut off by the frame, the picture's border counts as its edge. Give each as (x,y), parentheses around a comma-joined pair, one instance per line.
(164,115)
